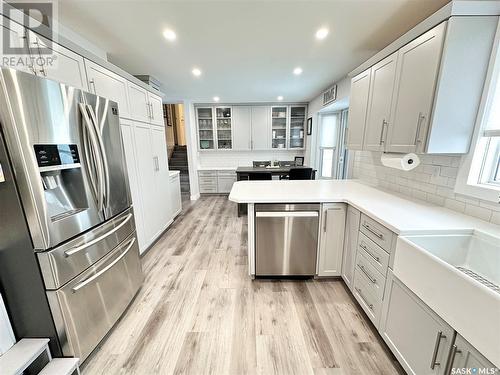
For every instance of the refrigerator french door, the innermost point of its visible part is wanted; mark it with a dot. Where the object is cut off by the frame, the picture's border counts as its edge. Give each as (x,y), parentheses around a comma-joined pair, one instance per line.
(66,152)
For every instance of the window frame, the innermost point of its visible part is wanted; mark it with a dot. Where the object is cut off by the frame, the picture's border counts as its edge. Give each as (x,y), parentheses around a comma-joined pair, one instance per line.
(475,175)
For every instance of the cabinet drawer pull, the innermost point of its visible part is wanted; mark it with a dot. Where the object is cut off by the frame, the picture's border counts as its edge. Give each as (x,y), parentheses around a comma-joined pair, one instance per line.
(384,124)
(421,117)
(436,349)
(369,228)
(365,248)
(362,268)
(370,305)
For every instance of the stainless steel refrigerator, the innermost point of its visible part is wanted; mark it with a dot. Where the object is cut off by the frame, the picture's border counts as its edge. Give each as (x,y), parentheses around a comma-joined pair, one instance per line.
(69,259)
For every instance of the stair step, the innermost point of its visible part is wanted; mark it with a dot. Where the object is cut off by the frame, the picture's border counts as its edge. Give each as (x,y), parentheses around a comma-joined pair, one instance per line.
(60,366)
(21,355)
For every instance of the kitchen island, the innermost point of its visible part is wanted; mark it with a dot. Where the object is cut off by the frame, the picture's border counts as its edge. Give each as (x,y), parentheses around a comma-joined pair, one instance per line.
(378,272)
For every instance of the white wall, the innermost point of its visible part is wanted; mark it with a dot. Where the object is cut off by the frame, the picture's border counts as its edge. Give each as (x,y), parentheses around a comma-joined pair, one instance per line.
(315,107)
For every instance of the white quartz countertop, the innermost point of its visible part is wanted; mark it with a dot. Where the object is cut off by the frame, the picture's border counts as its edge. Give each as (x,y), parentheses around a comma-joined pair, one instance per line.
(401,215)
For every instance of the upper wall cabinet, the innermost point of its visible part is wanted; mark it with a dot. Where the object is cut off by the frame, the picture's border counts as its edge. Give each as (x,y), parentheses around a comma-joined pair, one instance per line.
(205,121)
(242,127)
(417,72)
(360,87)
(68,67)
(156,105)
(297,127)
(15,34)
(224,133)
(379,103)
(110,85)
(424,98)
(261,119)
(279,128)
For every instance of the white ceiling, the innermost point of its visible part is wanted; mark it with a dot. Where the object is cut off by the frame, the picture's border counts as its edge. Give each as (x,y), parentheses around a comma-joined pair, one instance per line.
(246,50)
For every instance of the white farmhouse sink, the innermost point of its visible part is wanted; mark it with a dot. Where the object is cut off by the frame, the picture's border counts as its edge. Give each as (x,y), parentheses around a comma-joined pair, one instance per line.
(458,276)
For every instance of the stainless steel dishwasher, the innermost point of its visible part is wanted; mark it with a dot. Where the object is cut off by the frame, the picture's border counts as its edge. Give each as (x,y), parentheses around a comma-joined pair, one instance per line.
(286,239)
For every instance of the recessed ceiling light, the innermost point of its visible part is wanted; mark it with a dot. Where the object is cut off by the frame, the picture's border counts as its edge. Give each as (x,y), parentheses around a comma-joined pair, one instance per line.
(297,71)
(216,98)
(169,35)
(196,72)
(280,98)
(321,33)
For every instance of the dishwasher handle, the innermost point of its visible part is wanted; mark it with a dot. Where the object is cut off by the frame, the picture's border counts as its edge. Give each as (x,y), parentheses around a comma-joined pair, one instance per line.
(287,214)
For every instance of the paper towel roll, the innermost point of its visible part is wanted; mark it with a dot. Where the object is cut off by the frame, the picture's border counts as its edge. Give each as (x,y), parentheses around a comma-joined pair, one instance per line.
(404,162)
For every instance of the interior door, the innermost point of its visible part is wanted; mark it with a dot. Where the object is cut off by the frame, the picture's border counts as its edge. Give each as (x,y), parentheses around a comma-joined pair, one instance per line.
(261,131)
(139,105)
(379,104)
(360,86)
(107,84)
(416,77)
(332,239)
(242,127)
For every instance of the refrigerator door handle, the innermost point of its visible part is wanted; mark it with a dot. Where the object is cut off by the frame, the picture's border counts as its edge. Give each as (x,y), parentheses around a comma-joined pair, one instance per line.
(105,269)
(93,138)
(102,154)
(77,249)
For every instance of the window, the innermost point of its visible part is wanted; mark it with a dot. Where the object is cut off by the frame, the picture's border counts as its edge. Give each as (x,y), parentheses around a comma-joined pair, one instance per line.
(331,149)
(479,175)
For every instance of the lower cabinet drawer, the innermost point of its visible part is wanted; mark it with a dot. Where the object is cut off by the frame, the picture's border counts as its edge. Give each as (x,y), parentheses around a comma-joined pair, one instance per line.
(208,189)
(374,279)
(207,173)
(377,256)
(371,304)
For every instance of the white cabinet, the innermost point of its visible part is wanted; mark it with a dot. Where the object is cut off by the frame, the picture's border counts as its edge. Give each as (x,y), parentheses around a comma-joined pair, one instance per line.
(360,86)
(464,356)
(417,336)
(416,76)
(205,123)
(279,126)
(131,155)
(162,210)
(149,180)
(333,217)
(350,246)
(104,82)
(296,126)
(261,134)
(14,33)
(242,127)
(383,75)
(156,105)
(175,194)
(225,181)
(139,105)
(66,66)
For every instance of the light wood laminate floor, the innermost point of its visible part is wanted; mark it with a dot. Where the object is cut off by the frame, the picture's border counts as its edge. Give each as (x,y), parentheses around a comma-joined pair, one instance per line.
(198,312)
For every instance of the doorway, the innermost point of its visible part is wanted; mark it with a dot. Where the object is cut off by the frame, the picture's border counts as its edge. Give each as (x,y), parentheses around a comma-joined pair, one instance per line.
(177,145)
(331,152)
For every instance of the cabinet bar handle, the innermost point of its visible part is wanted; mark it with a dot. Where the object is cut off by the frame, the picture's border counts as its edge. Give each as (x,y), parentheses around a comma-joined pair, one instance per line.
(419,125)
(436,350)
(362,268)
(384,123)
(365,248)
(367,227)
(326,220)
(370,305)
(451,358)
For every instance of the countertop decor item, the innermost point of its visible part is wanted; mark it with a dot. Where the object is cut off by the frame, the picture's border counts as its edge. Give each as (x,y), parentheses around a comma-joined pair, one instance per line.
(299,161)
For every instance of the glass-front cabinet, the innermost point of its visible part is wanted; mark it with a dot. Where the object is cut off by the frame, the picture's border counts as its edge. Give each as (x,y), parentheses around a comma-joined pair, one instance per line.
(279,119)
(206,134)
(297,126)
(224,130)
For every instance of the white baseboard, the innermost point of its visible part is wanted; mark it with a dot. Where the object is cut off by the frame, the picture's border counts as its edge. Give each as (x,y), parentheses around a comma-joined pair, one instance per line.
(195,197)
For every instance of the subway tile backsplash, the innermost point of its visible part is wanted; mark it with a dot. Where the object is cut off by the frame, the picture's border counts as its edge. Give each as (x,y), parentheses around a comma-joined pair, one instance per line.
(432,181)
